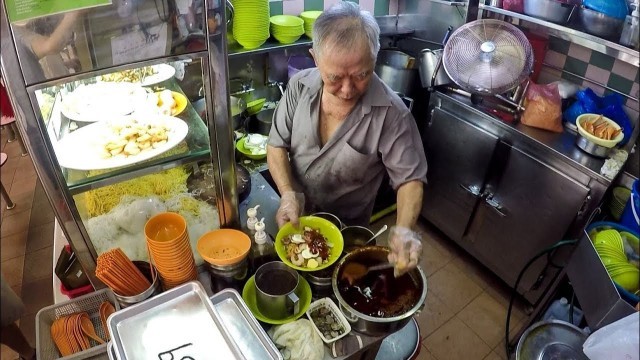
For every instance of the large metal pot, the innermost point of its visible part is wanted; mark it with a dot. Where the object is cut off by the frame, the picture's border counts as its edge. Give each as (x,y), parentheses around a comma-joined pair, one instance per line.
(261,122)
(397,70)
(551,10)
(376,326)
(600,24)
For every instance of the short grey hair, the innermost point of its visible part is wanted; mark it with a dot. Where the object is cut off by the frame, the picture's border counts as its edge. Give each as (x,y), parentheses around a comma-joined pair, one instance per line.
(343,25)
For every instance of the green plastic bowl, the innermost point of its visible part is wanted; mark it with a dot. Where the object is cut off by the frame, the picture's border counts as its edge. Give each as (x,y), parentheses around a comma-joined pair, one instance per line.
(254,106)
(246,152)
(629,280)
(310,16)
(284,39)
(286,20)
(326,228)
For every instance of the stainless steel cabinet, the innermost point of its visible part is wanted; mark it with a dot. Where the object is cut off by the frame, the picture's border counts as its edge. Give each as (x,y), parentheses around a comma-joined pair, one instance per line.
(497,201)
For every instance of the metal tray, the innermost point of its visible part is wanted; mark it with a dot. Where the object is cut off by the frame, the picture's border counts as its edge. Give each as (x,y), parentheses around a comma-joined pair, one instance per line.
(243,326)
(179,323)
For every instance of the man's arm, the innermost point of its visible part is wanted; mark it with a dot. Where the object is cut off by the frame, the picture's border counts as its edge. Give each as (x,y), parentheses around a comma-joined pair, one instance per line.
(280,168)
(47,45)
(409,199)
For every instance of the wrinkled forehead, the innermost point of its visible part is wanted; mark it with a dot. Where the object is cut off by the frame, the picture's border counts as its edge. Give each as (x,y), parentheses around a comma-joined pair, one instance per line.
(345,56)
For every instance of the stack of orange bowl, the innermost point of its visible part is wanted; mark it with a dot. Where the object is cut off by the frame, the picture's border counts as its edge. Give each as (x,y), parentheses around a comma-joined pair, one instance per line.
(170,250)
(610,248)
(309,18)
(251,22)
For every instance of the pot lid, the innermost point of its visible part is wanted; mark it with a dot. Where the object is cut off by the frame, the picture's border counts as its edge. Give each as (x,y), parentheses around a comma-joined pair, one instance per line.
(488,56)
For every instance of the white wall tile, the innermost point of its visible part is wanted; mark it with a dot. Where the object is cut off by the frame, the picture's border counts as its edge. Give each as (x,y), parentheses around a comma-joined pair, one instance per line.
(625,70)
(555,58)
(579,52)
(597,74)
(328,3)
(292,7)
(393,7)
(367,5)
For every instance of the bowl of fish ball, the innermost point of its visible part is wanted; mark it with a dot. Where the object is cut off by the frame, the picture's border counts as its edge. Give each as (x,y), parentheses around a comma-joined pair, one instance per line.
(224,246)
(599,130)
(375,302)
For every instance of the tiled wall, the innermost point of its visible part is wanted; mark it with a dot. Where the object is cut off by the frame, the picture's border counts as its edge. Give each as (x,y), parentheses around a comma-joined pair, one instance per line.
(295,7)
(593,65)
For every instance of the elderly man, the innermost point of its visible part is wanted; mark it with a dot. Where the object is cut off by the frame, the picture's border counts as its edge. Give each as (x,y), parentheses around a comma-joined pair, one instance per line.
(338,128)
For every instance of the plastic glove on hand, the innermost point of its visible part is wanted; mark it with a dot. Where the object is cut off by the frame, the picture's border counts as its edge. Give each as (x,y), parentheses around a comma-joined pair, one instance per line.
(406,248)
(291,207)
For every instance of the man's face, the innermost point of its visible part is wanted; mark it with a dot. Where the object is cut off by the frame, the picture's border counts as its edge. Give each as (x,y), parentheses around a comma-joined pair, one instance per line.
(345,72)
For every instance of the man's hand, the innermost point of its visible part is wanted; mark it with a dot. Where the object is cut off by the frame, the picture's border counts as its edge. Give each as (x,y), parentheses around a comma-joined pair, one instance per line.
(291,207)
(406,248)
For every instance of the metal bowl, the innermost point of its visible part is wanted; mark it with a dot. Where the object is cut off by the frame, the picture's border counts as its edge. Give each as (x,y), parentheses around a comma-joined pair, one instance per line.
(599,24)
(550,10)
(355,237)
(592,148)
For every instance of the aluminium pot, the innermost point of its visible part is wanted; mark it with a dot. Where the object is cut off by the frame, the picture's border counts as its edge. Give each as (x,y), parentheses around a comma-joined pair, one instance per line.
(556,11)
(369,325)
(430,64)
(397,70)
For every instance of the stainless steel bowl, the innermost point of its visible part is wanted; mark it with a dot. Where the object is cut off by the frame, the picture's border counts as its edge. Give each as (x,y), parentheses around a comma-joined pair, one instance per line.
(550,10)
(369,325)
(355,237)
(592,148)
(599,24)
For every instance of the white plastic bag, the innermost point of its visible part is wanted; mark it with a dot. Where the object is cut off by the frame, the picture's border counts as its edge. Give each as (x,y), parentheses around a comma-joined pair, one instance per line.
(618,340)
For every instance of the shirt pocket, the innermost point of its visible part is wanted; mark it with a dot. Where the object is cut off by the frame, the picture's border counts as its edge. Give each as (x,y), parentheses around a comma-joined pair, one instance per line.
(352,167)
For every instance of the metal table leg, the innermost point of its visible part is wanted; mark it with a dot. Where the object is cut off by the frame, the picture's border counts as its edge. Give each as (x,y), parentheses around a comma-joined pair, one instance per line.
(5,195)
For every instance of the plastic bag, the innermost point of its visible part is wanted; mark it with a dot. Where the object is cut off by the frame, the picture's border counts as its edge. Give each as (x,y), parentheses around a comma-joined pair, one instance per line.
(298,340)
(513,5)
(543,107)
(618,340)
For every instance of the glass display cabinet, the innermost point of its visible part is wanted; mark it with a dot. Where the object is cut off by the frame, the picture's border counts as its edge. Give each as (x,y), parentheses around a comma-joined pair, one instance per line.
(123,108)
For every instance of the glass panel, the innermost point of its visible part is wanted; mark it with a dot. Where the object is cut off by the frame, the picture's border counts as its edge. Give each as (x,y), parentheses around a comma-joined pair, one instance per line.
(126,31)
(115,215)
(120,125)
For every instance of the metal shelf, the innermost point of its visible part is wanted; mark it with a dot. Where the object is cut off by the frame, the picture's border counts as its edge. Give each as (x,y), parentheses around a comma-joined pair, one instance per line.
(395,31)
(236,49)
(592,42)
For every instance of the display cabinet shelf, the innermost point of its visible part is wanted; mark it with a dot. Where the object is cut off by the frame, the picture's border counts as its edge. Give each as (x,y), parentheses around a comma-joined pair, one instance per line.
(575,36)
(237,50)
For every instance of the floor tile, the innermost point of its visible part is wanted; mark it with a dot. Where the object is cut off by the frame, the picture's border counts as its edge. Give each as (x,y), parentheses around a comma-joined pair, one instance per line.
(434,314)
(28,328)
(7,171)
(37,294)
(455,340)
(486,317)
(8,354)
(12,270)
(453,287)
(17,289)
(425,354)
(23,201)
(13,245)
(471,267)
(433,236)
(15,223)
(23,185)
(493,356)
(432,259)
(38,265)
(40,236)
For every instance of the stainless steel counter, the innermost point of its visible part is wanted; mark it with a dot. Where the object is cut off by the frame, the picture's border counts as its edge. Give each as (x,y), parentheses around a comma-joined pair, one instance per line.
(558,148)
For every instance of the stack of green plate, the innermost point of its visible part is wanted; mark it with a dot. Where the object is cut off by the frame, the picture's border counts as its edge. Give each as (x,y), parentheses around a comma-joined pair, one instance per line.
(309,18)
(251,22)
(286,28)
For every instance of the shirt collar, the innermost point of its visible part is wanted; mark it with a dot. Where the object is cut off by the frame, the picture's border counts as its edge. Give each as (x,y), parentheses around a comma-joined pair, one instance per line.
(376,95)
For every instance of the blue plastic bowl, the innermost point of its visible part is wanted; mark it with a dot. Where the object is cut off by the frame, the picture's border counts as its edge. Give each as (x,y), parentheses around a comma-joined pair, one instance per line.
(618,9)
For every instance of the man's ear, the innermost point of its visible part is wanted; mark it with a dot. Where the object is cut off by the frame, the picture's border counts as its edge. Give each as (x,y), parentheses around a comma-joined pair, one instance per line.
(313,56)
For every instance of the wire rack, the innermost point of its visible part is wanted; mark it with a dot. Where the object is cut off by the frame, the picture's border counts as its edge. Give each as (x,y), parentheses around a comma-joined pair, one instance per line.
(45,347)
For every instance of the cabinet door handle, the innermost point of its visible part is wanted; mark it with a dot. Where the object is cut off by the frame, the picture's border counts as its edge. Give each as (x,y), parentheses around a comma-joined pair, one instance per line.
(494,205)
(472,189)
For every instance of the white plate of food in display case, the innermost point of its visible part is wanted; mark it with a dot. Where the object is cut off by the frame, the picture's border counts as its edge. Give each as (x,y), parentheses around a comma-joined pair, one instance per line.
(144,76)
(120,142)
(101,101)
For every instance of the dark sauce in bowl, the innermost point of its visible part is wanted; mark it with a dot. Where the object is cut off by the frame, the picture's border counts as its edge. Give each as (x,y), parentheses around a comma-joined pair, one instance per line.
(380,294)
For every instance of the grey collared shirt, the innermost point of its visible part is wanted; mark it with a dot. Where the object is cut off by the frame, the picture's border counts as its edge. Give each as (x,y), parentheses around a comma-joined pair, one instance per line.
(343,176)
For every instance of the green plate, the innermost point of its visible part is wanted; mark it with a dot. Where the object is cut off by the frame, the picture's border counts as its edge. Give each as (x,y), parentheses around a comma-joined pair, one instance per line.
(249,296)
(246,152)
(326,228)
